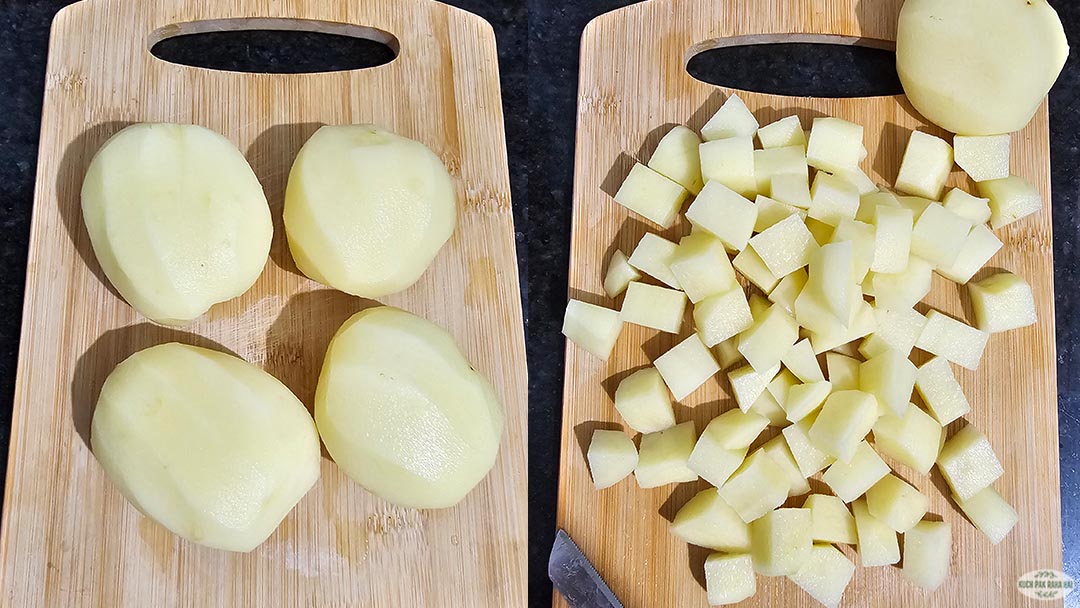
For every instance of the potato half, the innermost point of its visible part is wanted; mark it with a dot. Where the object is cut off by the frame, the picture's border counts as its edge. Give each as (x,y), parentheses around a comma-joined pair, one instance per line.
(177,219)
(367,210)
(208,445)
(403,412)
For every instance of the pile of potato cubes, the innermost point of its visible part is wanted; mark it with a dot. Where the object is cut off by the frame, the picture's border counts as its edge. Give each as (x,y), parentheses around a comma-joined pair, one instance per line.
(816,250)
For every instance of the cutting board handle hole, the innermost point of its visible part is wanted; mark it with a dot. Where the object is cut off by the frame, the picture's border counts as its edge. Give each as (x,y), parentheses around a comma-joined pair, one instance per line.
(275,46)
(798,65)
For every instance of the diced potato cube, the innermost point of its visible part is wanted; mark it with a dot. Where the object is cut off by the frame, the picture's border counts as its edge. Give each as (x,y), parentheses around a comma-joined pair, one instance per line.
(868,204)
(830,274)
(832,522)
(780,386)
(844,422)
(889,377)
(769,338)
(785,247)
(896,503)
(714,463)
(843,371)
(785,132)
(702,267)
(781,541)
(759,304)
(897,330)
(983,157)
(729,579)
(903,289)
(940,391)
(724,213)
(592,327)
(731,162)
(727,352)
(651,195)
(778,449)
(979,246)
(1011,198)
(612,456)
(722,316)
(813,313)
(771,212)
(653,256)
(878,545)
(825,575)
(968,462)
(750,264)
(619,274)
(928,160)
(916,204)
(958,342)
(788,289)
(860,324)
(735,429)
(733,119)
(643,401)
(801,361)
(913,438)
(862,238)
(676,158)
(804,399)
(850,480)
(656,307)
(892,244)
(707,521)
(747,384)
(687,366)
(771,162)
(859,179)
(757,487)
(939,235)
(990,513)
(927,552)
(1002,302)
(833,198)
(766,405)
(791,190)
(972,208)
(809,458)
(835,144)
(663,456)
(822,232)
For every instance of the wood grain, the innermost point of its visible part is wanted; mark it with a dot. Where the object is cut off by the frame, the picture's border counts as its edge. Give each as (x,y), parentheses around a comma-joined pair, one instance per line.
(69,538)
(633,88)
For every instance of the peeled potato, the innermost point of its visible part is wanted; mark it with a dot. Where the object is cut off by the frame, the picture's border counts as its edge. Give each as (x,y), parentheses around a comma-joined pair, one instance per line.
(208,445)
(403,412)
(979,67)
(367,210)
(177,219)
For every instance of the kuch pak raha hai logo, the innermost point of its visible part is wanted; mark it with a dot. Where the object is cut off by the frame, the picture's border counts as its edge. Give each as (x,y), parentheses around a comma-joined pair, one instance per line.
(1045,584)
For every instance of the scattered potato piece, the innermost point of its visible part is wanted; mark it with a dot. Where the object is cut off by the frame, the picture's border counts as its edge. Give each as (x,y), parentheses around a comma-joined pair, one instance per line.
(913,438)
(825,575)
(916,204)
(897,330)
(979,246)
(713,462)
(612,456)
(903,289)
(707,521)
(750,264)
(687,366)
(832,522)
(801,361)
(701,266)
(759,304)
(1002,302)
(663,456)
(735,429)
(833,198)
(653,256)
(747,384)
(619,274)
(927,552)
(844,421)
(821,231)
(771,162)
(850,480)
(939,236)
(958,342)
(990,513)
(788,289)
(592,327)
(778,449)
(890,378)
(860,324)
(983,157)
(723,316)
(892,244)
(968,462)
(727,352)
(868,205)
(781,541)
(835,144)
(972,208)
(766,405)
(656,307)
(785,132)
(651,195)
(862,238)
(724,213)
(809,458)
(896,503)
(1011,198)
(785,247)
(676,158)
(928,160)
(781,384)
(804,399)
(757,487)
(769,338)
(643,401)
(729,579)
(733,119)
(791,190)
(771,212)
(730,162)
(878,545)
(940,391)
(843,371)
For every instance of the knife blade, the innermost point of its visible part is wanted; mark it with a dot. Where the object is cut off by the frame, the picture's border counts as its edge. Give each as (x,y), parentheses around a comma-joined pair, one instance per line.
(576,578)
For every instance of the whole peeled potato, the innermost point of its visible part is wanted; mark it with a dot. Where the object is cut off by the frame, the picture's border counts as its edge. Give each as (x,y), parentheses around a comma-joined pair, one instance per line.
(177,219)
(403,413)
(208,445)
(367,210)
(979,67)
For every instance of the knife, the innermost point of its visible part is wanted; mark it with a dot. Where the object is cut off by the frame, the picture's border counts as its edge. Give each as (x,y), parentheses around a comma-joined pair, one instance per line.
(576,578)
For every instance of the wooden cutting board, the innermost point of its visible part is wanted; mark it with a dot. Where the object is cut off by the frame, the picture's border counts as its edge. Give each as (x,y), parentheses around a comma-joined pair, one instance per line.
(633,88)
(69,538)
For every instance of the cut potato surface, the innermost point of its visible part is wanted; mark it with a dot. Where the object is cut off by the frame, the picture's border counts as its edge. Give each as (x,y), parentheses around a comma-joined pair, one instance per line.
(612,456)
(724,213)
(663,456)
(984,157)
(644,402)
(651,195)
(707,521)
(878,545)
(687,366)
(757,487)
(403,412)
(733,119)
(954,340)
(1011,199)
(177,219)
(729,579)
(206,444)
(651,306)
(619,274)
(940,391)
(781,541)
(896,503)
(927,553)
(676,158)
(701,266)
(653,255)
(832,522)
(366,210)
(778,449)
(990,513)
(968,463)
(928,160)
(785,132)
(730,162)
(825,575)
(1002,302)
(912,438)
(593,328)
(850,480)
(968,206)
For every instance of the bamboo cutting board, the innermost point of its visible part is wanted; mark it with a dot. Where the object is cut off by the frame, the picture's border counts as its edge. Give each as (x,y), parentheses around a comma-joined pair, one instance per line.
(633,88)
(69,538)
